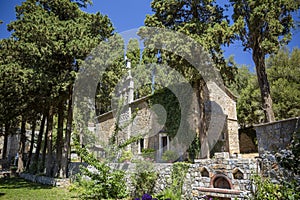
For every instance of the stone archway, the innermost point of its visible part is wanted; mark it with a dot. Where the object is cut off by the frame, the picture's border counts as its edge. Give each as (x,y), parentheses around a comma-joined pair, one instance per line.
(221,181)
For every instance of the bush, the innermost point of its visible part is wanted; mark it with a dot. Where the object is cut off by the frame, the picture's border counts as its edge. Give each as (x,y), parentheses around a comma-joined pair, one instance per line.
(126,156)
(290,158)
(174,192)
(266,190)
(169,156)
(148,153)
(98,180)
(144,178)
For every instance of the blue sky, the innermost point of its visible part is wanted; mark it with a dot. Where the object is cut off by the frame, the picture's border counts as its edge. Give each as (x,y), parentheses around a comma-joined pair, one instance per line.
(130,14)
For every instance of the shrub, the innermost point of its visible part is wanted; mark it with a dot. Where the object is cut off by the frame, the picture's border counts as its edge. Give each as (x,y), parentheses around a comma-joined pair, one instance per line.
(174,192)
(148,153)
(169,156)
(98,180)
(144,178)
(266,190)
(126,156)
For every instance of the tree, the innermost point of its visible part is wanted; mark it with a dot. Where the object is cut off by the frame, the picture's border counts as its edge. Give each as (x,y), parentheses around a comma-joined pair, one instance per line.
(202,20)
(264,26)
(15,83)
(283,71)
(51,38)
(109,80)
(249,108)
(284,76)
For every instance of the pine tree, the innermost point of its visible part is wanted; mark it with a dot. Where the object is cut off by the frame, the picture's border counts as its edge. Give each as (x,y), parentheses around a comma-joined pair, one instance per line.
(51,39)
(264,26)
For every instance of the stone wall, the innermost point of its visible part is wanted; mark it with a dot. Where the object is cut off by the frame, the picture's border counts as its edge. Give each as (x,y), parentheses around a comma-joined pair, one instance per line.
(235,172)
(226,101)
(46,180)
(204,177)
(276,135)
(220,102)
(271,168)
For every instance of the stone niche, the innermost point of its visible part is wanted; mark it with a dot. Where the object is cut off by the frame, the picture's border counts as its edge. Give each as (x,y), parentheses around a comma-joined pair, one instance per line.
(229,178)
(220,181)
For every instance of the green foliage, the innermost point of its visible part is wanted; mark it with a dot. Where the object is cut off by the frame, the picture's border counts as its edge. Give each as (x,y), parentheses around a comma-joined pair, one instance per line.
(203,21)
(194,149)
(169,101)
(263,26)
(266,22)
(174,191)
(39,62)
(249,106)
(126,156)
(169,156)
(266,190)
(168,193)
(290,158)
(99,181)
(148,153)
(283,72)
(284,76)
(133,52)
(143,178)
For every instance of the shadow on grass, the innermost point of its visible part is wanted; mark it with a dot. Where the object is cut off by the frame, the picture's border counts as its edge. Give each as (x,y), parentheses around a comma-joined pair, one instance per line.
(15,182)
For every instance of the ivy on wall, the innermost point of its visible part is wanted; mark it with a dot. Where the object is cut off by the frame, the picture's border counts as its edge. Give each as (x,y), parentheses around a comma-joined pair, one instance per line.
(176,117)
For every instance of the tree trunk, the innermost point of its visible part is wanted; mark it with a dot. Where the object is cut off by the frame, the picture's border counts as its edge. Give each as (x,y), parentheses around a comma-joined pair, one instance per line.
(49,161)
(43,163)
(38,145)
(6,134)
(67,149)
(22,144)
(31,146)
(259,60)
(199,87)
(59,139)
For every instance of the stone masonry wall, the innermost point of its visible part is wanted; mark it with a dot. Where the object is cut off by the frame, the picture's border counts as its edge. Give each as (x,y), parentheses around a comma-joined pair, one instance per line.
(276,135)
(202,175)
(46,180)
(226,102)
(146,121)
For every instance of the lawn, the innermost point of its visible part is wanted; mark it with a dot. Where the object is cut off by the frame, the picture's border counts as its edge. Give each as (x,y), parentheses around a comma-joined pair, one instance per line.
(20,189)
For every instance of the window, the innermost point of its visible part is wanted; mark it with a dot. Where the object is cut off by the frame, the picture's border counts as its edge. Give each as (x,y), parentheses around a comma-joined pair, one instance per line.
(164,143)
(141,145)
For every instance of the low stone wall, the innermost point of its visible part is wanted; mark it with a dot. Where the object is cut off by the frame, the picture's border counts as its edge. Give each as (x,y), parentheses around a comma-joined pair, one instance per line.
(46,180)
(271,168)
(203,178)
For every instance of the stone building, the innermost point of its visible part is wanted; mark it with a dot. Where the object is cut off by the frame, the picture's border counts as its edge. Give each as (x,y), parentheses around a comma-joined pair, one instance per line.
(138,118)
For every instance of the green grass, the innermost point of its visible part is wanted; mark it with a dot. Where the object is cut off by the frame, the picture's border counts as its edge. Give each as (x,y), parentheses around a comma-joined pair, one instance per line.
(20,189)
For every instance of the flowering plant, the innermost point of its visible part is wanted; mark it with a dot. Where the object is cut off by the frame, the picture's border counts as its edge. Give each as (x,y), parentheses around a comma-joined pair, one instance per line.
(146,197)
